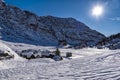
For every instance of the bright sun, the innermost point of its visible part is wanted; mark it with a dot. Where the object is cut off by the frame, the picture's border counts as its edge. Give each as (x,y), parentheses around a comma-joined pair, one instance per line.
(97,11)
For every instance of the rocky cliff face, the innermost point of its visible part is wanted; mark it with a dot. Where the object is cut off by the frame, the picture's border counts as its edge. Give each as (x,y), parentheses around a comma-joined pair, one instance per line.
(17,25)
(112,42)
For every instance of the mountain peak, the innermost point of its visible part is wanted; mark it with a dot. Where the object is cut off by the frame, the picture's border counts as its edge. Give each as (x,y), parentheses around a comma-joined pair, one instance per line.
(2,3)
(23,26)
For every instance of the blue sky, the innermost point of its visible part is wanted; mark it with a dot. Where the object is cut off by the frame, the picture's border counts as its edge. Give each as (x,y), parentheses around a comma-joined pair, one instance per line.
(108,23)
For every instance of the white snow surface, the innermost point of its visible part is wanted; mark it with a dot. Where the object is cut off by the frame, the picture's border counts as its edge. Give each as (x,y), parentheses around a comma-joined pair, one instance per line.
(86,64)
(5,49)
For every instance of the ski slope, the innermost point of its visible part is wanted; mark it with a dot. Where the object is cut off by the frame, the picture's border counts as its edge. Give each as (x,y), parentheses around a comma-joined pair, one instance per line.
(86,64)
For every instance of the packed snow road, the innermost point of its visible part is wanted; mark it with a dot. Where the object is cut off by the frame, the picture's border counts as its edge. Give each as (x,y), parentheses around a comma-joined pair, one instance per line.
(99,65)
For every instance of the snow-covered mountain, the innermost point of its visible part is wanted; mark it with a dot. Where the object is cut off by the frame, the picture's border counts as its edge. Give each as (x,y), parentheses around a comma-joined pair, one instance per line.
(17,25)
(112,42)
(25,27)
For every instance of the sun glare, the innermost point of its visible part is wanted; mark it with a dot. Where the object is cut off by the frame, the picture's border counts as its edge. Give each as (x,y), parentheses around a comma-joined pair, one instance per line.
(97,11)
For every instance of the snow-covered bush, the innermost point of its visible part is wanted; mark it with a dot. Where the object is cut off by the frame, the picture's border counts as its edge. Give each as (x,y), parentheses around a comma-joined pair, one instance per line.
(32,54)
(57,58)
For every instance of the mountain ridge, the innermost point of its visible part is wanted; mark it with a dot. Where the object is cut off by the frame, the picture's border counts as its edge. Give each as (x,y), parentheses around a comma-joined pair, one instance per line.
(23,26)
(112,42)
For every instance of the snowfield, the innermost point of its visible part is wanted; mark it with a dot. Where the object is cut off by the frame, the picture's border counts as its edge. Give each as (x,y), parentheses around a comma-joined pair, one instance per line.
(86,64)
(22,33)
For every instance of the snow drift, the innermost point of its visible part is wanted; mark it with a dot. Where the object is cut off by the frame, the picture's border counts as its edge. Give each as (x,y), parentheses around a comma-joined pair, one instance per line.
(7,53)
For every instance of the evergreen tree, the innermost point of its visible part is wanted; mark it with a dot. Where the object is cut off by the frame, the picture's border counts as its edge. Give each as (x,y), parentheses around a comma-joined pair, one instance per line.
(57,52)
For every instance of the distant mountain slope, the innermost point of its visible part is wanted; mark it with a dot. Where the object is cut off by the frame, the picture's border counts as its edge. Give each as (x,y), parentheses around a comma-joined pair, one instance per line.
(112,42)
(17,25)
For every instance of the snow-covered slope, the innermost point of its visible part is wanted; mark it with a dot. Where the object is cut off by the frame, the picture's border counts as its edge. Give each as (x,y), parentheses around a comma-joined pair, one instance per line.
(7,53)
(17,25)
(94,64)
(112,42)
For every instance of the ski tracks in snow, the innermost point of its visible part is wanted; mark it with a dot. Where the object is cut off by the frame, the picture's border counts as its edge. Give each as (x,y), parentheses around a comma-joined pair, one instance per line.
(82,68)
